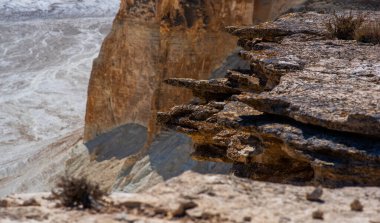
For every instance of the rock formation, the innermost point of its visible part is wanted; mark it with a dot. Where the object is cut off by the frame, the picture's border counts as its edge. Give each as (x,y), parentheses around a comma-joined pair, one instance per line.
(152,41)
(204,198)
(306,111)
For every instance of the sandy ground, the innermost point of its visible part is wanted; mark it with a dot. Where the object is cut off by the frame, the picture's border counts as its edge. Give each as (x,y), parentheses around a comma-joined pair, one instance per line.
(46,53)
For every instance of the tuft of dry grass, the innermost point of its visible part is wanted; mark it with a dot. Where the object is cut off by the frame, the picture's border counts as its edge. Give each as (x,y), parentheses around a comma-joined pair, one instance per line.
(344,26)
(78,193)
(369,33)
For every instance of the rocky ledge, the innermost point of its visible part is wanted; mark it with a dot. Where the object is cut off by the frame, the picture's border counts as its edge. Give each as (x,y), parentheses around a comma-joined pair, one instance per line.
(308,110)
(193,197)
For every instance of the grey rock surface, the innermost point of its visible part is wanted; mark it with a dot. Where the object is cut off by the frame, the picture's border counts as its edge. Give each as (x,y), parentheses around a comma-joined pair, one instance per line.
(312,116)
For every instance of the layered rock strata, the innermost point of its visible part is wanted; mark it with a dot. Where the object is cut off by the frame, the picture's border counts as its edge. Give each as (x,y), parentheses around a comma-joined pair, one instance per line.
(308,109)
(151,41)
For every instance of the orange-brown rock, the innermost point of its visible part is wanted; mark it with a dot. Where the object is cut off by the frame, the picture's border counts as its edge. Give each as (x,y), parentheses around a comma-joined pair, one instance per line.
(152,41)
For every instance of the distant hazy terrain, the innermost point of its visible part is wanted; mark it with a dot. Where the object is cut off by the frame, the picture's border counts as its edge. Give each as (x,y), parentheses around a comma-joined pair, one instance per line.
(46,53)
(27,9)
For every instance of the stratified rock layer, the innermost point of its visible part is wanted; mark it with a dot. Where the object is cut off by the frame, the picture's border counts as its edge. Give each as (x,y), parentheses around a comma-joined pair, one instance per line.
(307,110)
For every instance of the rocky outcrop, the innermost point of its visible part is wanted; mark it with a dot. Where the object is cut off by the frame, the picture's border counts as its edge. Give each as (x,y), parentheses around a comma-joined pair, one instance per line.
(152,41)
(306,111)
(205,198)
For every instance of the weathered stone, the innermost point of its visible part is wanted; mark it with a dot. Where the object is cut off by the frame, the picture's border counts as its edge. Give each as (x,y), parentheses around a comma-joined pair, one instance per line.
(326,156)
(193,197)
(315,117)
(319,83)
(208,90)
(289,24)
(152,41)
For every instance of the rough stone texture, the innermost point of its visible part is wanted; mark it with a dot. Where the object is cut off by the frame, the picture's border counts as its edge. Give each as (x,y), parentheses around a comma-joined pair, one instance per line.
(149,42)
(314,117)
(152,41)
(205,198)
(337,5)
(321,83)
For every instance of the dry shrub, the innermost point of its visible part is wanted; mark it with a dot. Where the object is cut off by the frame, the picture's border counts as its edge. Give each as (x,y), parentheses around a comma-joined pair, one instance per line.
(369,33)
(78,193)
(344,26)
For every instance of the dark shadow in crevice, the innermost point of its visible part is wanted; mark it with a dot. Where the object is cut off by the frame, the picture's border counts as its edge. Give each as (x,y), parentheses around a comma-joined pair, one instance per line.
(369,144)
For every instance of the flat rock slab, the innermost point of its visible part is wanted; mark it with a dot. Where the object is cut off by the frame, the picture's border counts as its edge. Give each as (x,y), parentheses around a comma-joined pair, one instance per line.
(330,83)
(289,24)
(310,111)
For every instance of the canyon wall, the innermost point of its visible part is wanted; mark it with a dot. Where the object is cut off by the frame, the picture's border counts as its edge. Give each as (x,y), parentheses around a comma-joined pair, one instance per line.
(153,41)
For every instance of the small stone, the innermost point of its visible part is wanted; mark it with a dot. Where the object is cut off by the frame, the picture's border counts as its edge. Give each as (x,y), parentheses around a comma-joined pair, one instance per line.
(315,195)
(356,205)
(318,215)
(247,219)
(31,202)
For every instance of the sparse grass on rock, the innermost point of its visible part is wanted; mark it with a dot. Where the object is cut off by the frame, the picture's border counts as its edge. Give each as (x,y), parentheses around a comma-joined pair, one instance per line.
(344,26)
(78,193)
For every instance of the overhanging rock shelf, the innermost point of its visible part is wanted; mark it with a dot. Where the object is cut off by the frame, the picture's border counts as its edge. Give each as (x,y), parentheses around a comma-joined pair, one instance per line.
(307,111)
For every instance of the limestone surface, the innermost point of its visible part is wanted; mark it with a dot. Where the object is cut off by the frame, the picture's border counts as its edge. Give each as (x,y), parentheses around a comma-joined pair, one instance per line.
(310,112)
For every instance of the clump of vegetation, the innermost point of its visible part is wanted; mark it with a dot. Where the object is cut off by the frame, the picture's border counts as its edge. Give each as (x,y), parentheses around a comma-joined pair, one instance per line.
(78,193)
(318,214)
(345,26)
(369,33)
(356,205)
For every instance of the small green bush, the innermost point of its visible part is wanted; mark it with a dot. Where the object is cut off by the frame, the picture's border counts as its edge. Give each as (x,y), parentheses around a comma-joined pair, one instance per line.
(369,33)
(344,26)
(78,193)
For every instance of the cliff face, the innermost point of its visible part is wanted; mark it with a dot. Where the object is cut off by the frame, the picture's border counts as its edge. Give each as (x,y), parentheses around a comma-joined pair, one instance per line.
(152,41)
(306,111)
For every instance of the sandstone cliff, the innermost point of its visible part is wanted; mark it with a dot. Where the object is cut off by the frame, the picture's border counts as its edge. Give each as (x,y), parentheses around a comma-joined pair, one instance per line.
(150,42)
(306,111)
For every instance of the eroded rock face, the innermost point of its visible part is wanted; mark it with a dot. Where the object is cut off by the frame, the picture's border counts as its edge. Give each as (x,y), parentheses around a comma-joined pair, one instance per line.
(307,110)
(152,41)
